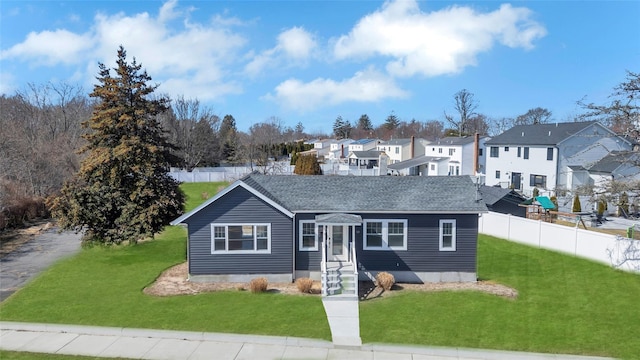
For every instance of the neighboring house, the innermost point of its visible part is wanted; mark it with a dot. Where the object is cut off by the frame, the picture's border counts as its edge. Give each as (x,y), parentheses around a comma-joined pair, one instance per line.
(339,149)
(420,229)
(505,201)
(461,151)
(399,150)
(366,159)
(447,156)
(363,145)
(545,156)
(623,166)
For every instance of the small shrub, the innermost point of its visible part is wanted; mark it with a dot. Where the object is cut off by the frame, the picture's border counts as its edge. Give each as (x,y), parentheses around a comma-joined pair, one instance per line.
(304,285)
(576,204)
(205,196)
(258,285)
(385,280)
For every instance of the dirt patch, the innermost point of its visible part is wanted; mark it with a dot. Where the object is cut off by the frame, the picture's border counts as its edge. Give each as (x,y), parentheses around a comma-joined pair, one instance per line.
(11,239)
(173,281)
(369,291)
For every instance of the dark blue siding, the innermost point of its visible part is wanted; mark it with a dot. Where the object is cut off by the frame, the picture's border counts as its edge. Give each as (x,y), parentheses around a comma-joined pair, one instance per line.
(240,206)
(307,260)
(422,254)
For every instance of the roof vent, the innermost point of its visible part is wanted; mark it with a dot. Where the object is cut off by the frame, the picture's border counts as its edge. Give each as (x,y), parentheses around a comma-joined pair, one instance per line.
(523,134)
(549,132)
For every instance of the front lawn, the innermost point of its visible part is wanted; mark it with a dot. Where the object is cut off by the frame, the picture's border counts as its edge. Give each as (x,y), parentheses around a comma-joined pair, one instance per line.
(565,305)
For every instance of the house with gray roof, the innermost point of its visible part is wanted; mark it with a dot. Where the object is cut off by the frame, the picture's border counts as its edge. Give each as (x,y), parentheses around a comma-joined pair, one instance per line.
(623,166)
(549,157)
(284,227)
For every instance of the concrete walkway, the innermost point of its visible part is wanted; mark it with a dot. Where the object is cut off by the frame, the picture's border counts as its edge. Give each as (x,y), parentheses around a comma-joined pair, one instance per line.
(183,345)
(343,315)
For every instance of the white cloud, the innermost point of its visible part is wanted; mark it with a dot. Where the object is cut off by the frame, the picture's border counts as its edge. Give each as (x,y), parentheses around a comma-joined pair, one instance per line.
(439,42)
(365,86)
(50,48)
(181,57)
(296,43)
(294,47)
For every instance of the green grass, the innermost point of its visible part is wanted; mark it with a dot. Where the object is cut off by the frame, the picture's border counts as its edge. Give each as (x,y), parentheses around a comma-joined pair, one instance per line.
(565,305)
(195,192)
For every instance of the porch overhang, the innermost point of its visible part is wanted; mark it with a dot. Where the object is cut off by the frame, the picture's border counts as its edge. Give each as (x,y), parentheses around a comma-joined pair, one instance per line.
(338,219)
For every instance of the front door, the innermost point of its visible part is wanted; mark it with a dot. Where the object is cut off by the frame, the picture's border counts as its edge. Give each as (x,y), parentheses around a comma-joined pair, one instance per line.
(515,180)
(338,240)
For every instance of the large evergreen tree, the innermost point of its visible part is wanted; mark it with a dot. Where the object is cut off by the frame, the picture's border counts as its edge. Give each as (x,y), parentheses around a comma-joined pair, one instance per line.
(122,192)
(391,122)
(341,128)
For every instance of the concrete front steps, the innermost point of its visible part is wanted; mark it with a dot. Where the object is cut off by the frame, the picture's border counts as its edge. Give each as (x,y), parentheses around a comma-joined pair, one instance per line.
(341,304)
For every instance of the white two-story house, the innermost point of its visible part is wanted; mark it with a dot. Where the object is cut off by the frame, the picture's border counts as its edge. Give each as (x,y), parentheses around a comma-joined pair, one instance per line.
(339,149)
(461,154)
(402,149)
(448,156)
(544,156)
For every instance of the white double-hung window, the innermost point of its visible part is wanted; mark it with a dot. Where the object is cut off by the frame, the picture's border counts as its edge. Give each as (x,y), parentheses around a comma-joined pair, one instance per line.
(240,238)
(385,234)
(448,235)
(309,235)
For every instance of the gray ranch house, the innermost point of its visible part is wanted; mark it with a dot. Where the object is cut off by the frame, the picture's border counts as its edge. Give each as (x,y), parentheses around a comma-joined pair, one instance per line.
(283,227)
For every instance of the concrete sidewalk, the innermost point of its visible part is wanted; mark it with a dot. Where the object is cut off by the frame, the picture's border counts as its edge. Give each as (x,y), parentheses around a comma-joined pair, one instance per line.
(179,345)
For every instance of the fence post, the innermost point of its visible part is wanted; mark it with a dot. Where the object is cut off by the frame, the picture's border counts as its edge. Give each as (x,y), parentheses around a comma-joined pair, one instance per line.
(539,233)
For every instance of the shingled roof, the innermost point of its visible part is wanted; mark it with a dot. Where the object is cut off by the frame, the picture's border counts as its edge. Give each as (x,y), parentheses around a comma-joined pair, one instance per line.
(539,134)
(405,194)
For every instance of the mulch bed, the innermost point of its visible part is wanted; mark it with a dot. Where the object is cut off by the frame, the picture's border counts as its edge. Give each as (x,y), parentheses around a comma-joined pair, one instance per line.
(173,281)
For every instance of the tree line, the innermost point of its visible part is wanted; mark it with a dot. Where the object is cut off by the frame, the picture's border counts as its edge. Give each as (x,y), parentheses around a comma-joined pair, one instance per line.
(45,129)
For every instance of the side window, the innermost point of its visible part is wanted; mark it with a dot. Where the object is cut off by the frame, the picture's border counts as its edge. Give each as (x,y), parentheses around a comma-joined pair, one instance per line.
(448,235)
(240,238)
(526,152)
(493,151)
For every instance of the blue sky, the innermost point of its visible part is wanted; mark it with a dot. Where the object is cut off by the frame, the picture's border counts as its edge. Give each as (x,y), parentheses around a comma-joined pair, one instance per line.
(311,61)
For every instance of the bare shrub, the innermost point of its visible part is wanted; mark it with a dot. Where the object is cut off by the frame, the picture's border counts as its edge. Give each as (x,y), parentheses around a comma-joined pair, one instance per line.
(385,280)
(205,196)
(304,285)
(258,285)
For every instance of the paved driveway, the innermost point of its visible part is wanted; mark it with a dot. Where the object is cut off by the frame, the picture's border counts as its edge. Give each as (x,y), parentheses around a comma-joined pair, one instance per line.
(34,256)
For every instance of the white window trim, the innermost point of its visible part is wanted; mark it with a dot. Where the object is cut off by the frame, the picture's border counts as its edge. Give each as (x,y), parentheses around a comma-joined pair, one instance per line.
(385,234)
(453,230)
(226,231)
(300,247)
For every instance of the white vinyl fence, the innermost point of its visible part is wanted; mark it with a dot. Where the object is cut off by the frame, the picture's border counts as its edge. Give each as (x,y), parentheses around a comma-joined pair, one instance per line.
(232,173)
(616,251)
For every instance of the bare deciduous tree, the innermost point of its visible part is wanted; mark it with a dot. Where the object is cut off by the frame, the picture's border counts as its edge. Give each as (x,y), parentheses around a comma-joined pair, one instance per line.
(466,106)
(534,116)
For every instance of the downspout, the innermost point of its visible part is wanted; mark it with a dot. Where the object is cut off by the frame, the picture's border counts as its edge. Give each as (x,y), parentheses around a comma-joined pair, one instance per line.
(293,265)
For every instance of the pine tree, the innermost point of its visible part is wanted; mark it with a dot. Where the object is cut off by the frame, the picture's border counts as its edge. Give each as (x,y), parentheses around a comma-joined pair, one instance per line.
(341,128)
(122,192)
(391,122)
(364,123)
